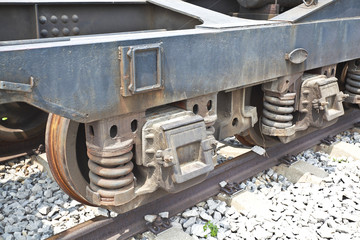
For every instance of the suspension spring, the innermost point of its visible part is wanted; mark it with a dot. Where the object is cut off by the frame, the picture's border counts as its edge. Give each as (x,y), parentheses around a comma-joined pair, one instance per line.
(111,173)
(353,83)
(277,112)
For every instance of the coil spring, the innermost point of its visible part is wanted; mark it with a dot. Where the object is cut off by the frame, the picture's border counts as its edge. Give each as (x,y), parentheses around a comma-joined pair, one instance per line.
(277,112)
(353,83)
(111,175)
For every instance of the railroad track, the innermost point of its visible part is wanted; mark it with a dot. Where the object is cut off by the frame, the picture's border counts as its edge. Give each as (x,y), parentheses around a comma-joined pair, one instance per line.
(236,170)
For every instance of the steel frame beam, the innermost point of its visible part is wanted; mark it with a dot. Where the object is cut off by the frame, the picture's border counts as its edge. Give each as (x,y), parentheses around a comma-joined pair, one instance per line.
(81,77)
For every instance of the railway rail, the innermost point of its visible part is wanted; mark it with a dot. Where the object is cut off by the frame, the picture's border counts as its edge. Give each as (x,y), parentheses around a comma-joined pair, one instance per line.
(238,169)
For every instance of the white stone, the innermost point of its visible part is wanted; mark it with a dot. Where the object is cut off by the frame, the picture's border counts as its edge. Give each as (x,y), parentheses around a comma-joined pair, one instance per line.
(48,193)
(261,233)
(44,210)
(217,216)
(259,150)
(221,207)
(325,232)
(190,213)
(223,184)
(198,230)
(189,222)
(150,218)
(211,204)
(205,216)
(164,214)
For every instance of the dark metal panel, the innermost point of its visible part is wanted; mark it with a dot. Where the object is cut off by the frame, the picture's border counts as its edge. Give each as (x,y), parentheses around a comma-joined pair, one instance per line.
(210,19)
(80,19)
(226,7)
(20,21)
(80,78)
(17,22)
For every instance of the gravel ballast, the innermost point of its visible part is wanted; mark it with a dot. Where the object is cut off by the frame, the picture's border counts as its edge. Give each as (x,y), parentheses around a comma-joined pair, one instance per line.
(32,206)
(329,209)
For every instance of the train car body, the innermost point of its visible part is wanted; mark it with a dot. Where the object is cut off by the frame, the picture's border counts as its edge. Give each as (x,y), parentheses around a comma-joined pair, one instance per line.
(138,91)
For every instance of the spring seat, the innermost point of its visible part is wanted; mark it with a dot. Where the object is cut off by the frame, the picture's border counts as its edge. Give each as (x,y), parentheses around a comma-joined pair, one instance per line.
(277,112)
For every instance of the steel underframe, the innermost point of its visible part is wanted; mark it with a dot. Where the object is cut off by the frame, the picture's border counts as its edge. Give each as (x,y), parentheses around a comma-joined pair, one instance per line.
(80,77)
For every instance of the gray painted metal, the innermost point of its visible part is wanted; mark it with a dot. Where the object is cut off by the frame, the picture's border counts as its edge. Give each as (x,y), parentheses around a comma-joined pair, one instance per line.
(79,78)
(323,10)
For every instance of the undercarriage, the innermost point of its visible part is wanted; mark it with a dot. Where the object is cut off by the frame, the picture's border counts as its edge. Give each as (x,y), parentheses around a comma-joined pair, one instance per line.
(138,92)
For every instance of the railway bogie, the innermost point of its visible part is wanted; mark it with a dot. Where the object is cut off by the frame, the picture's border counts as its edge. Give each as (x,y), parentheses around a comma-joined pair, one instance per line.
(136,106)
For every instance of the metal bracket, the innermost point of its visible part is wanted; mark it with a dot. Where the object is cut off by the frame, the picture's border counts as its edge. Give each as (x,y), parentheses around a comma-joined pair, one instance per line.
(232,188)
(141,68)
(159,225)
(289,160)
(328,140)
(18,87)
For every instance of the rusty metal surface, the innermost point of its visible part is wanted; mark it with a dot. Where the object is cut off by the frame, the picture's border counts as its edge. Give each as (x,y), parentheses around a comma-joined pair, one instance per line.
(238,169)
(57,148)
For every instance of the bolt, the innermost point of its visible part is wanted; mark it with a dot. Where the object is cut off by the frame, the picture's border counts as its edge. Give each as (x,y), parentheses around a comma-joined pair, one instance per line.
(42,19)
(55,32)
(53,19)
(44,33)
(66,31)
(64,18)
(76,30)
(75,18)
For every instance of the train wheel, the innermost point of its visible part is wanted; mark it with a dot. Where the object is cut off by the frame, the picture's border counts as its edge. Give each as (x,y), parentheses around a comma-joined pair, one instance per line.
(20,121)
(66,154)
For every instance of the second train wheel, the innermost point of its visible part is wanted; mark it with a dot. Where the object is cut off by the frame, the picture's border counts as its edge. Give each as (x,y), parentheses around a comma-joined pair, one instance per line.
(21,121)
(66,153)
(253,136)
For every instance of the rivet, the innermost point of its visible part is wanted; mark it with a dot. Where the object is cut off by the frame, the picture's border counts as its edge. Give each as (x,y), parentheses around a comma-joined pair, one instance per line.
(75,18)
(64,18)
(42,19)
(66,31)
(53,19)
(76,30)
(55,31)
(44,33)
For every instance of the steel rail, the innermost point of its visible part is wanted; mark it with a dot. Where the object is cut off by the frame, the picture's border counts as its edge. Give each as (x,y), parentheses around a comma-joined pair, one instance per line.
(11,150)
(238,169)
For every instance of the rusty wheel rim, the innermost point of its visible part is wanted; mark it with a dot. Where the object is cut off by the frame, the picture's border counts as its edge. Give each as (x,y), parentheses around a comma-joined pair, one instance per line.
(65,154)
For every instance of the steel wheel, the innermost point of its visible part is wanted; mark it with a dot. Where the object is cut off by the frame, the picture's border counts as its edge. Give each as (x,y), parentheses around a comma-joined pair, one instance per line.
(66,154)
(20,121)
